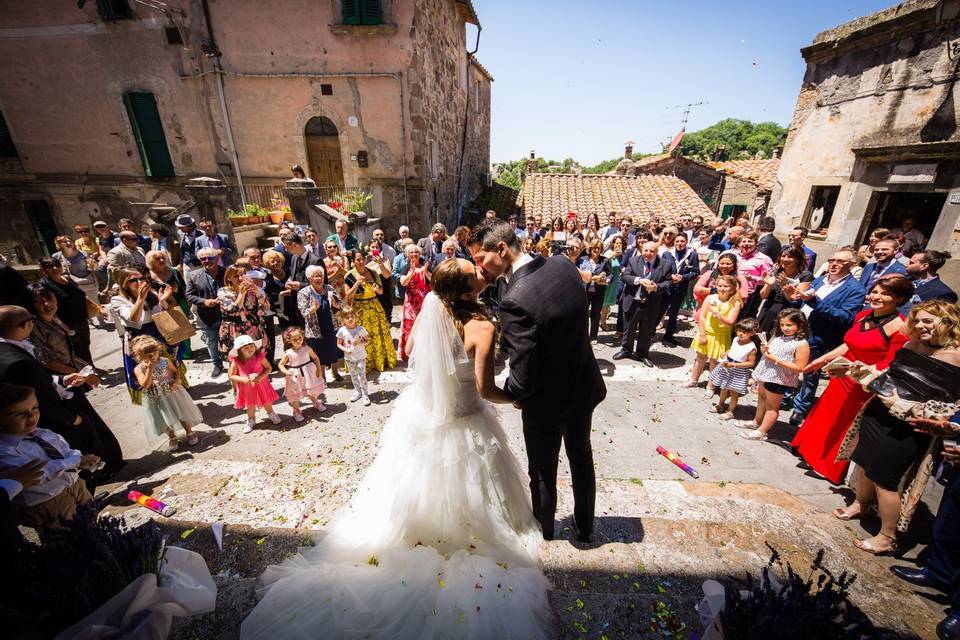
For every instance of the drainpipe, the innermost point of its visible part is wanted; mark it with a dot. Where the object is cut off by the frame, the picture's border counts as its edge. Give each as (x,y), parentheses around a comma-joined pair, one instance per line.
(213,52)
(466,118)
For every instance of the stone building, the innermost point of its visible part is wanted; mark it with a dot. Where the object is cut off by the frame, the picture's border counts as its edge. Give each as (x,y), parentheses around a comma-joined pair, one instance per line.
(874,138)
(110,106)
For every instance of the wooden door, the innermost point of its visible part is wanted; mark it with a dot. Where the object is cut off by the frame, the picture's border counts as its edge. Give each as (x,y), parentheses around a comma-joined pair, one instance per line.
(323,153)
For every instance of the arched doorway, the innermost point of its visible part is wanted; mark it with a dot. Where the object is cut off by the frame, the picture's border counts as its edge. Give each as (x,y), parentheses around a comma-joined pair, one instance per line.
(323,152)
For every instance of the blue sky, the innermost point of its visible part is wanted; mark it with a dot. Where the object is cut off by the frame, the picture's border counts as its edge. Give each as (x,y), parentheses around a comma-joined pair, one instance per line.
(577,79)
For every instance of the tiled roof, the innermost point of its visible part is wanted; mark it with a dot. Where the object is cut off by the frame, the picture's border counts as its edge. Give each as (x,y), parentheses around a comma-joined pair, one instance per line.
(483,69)
(762,173)
(554,194)
(654,159)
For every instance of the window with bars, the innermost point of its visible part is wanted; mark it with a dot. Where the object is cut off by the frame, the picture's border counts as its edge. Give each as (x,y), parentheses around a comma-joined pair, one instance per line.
(362,12)
(148,133)
(7,148)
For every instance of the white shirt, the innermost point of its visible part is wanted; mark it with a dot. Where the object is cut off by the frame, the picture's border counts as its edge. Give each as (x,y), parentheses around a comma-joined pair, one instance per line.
(27,346)
(523,259)
(123,307)
(825,289)
(57,475)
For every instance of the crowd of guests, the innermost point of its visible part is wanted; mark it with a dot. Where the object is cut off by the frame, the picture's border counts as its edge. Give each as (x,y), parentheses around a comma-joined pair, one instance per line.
(768,320)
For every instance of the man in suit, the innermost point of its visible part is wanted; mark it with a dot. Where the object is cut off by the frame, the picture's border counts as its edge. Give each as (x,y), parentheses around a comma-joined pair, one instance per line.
(126,224)
(161,241)
(768,244)
(884,263)
(201,292)
(927,285)
(296,268)
(797,237)
(646,278)
(63,406)
(187,234)
(432,244)
(554,378)
(219,241)
(687,269)
(832,302)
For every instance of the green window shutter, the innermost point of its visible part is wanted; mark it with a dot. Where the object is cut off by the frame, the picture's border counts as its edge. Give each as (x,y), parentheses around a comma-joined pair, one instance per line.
(351,11)
(371,12)
(727,210)
(148,132)
(7,148)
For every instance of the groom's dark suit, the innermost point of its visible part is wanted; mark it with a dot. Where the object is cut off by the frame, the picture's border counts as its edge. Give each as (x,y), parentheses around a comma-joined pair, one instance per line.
(555,379)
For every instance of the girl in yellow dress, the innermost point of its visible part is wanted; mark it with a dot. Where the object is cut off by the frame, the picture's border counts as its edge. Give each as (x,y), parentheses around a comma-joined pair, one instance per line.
(715,328)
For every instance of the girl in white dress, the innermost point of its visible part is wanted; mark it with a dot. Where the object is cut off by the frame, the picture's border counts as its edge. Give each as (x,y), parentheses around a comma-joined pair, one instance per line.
(166,404)
(303,371)
(439,539)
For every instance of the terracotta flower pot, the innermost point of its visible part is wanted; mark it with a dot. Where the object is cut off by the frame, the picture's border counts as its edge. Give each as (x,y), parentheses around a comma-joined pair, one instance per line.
(276,216)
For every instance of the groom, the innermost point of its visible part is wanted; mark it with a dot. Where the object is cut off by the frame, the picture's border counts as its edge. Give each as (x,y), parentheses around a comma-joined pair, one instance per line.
(554,378)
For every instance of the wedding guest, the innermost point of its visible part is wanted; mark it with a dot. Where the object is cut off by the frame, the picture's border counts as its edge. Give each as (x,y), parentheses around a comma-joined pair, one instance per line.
(707,283)
(592,232)
(201,291)
(72,305)
(166,404)
(362,297)
(783,358)
(400,266)
(126,224)
(715,329)
(384,268)
(887,448)
(865,252)
(312,243)
(612,227)
(831,303)
(597,273)
(874,339)
(317,303)
(767,243)
(753,266)
(345,241)
(242,308)
(404,233)
(386,249)
(85,241)
(432,244)
(922,270)
(297,173)
(790,270)
(351,339)
(688,269)
(250,373)
(134,307)
(625,231)
(163,274)
(914,239)
(50,336)
(79,267)
(187,234)
(614,257)
(797,238)
(462,236)
(209,238)
(126,255)
(303,372)
(646,277)
(532,233)
(448,252)
(298,259)
(884,262)
(416,285)
(514,222)
(666,239)
(161,241)
(732,374)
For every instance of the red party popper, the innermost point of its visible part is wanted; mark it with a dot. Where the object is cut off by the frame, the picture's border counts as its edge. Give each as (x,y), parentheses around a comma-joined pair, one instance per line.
(675,459)
(151,503)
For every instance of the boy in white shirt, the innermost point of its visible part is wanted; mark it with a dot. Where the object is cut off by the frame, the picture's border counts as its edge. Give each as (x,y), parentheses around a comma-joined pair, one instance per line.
(60,491)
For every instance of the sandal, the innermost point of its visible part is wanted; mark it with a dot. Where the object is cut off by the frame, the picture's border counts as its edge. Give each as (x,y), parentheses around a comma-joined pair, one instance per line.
(753,435)
(715,408)
(866,545)
(192,439)
(727,416)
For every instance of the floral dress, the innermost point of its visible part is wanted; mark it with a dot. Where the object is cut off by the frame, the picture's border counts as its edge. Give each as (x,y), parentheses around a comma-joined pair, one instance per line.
(320,328)
(416,290)
(381,354)
(238,319)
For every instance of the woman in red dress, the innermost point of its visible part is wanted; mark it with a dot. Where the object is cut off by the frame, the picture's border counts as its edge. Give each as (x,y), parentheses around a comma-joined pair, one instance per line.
(874,338)
(416,283)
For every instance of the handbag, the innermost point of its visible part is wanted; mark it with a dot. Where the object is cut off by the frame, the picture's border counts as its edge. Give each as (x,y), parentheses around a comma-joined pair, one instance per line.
(173,325)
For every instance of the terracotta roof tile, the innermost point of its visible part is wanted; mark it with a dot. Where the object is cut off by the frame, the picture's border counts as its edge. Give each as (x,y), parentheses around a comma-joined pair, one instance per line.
(762,173)
(554,194)
(483,69)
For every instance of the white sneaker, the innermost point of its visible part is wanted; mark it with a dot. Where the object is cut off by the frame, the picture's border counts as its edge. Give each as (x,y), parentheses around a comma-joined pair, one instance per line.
(274,418)
(356,396)
(298,417)
(366,401)
(249,426)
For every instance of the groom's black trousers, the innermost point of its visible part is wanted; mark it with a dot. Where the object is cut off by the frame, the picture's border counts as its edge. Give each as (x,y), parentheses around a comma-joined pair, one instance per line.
(543,455)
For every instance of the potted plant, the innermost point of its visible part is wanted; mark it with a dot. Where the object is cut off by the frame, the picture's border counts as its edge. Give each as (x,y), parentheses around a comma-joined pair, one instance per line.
(237,218)
(279,210)
(255,213)
(357,200)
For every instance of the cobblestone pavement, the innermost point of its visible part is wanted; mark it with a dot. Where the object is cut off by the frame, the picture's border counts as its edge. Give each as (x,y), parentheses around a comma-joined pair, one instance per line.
(659,532)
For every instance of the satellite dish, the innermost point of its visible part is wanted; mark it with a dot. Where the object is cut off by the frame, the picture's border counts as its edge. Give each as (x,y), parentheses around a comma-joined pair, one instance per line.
(816,219)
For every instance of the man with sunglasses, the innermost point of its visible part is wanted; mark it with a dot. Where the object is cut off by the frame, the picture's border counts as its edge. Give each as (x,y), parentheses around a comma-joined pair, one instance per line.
(126,255)
(201,292)
(219,241)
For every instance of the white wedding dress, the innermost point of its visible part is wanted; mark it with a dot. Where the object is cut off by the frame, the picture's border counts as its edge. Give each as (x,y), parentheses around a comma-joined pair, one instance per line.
(438,541)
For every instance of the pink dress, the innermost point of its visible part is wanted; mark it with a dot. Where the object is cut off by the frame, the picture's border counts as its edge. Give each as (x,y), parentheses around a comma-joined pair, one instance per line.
(305,382)
(248,394)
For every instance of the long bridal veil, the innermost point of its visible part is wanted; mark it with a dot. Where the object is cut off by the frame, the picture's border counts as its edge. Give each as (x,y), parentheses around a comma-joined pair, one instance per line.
(438,540)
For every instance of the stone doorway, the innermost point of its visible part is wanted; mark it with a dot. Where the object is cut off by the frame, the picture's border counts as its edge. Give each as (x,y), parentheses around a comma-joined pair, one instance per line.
(324,163)
(888,208)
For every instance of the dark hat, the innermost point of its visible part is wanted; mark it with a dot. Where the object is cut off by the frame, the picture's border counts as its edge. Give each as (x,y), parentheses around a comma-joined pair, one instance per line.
(185,220)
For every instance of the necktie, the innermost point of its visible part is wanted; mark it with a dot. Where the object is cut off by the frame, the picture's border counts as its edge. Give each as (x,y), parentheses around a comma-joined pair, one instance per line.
(647,268)
(48,448)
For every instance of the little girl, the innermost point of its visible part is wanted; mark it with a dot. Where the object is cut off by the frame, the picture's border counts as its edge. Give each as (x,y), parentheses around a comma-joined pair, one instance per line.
(303,370)
(715,328)
(733,374)
(249,369)
(779,371)
(166,403)
(350,339)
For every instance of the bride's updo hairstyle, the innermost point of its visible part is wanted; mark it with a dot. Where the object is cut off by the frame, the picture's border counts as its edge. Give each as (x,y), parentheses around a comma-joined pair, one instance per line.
(449,283)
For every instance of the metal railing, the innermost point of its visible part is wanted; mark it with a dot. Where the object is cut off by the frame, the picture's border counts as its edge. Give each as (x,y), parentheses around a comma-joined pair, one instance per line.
(262,194)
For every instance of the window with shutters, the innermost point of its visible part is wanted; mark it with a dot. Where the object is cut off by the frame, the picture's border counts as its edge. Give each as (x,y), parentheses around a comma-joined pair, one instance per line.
(362,12)
(148,134)
(111,10)
(7,148)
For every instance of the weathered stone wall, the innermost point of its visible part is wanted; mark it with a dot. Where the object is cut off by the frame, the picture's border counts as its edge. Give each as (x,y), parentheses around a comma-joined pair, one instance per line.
(739,192)
(889,92)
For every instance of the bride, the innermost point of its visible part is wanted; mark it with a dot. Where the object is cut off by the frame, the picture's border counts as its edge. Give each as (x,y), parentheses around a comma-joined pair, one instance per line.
(439,540)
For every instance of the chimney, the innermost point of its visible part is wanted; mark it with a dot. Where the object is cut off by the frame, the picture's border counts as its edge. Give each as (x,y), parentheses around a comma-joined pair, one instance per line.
(720,153)
(775,155)
(628,150)
(531,165)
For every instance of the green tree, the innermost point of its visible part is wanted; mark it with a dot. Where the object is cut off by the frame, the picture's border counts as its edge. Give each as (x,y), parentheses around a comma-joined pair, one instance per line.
(739,137)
